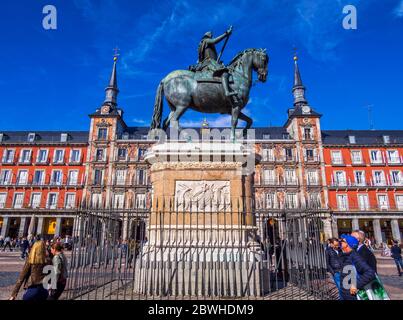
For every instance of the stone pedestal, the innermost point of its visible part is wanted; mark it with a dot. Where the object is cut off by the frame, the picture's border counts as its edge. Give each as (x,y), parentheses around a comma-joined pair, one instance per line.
(202,231)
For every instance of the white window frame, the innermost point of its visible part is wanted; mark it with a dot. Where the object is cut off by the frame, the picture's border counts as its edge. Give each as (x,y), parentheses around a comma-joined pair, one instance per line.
(7,181)
(293,204)
(382,179)
(271,200)
(70,204)
(399,176)
(395,159)
(383,206)
(354,160)
(54,156)
(28,160)
(48,204)
(69,182)
(119,200)
(268,154)
(352,139)
(356,182)
(31,201)
(46,156)
(335,160)
(141,200)
(71,156)
(365,204)
(290,177)
(269,176)
(344,180)
(12,158)
(21,205)
(312,177)
(399,204)
(23,183)
(342,206)
(96,199)
(42,180)
(52,182)
(3,200)
(378,153)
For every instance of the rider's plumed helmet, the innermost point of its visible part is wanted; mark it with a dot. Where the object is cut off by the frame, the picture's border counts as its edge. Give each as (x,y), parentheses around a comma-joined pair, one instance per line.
(208,34)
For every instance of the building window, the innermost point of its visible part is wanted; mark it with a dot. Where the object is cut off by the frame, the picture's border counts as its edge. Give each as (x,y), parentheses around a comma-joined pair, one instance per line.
(42,156)
(310,155)
(312,177)
(102,133)
(291,201)
(351,139)
(363,202)
(35,200)
(386,139)
(314,201)
(120,177)
(288,154)
(286,136)
(379,178)
(100,155)
(356,157)
(359,178)
(342,202)
(337,157)
(98,176)
(1,137)
(393,156)
(3,198)
(18,200)
(141,201)
(70,201)
(269,177)
(308,134)
(38,177)
(290,178)
(25,156)
(383,202)
(58,156)
(96,200)
(52,201)
(64,137)
(268,154)
(8,156)
(271,201)
(122,154)
(399,201)
(141,153)
(395,177)
(119,201)
(375,156)
(266,136)
(340,178)
(73,178)
(56,179)
(75,156)
(5,177)
(22,177)
(31,137)
(141,177)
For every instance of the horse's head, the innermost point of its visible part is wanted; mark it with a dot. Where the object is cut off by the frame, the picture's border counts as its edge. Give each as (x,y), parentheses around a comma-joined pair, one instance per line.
(260,63)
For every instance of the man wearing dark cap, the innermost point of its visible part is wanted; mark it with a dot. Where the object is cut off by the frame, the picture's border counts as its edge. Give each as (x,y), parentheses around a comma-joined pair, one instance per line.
(355,273)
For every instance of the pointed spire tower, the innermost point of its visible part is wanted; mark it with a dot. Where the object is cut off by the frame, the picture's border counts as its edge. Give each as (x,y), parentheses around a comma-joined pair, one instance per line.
(112,91)
(298,90)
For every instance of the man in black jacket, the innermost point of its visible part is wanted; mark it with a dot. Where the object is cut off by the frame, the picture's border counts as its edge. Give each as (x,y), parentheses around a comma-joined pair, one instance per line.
(333,261)
(365,253)
(355,274)
(397,256)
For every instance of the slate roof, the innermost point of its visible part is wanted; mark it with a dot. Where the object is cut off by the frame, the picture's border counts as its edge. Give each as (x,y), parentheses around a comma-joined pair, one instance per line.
(362,137)
(44,137)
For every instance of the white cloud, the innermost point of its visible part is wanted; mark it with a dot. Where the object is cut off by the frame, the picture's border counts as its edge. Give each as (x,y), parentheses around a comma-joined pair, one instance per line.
(138,121)
(398,12)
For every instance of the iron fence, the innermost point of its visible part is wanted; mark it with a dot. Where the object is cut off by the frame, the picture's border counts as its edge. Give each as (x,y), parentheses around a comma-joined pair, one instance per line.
(198,252)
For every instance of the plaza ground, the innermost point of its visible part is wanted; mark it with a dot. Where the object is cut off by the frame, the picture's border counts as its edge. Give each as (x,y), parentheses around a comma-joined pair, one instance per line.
(11,265)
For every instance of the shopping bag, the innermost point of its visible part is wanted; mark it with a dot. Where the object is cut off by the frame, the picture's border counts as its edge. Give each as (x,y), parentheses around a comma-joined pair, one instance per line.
(373,291)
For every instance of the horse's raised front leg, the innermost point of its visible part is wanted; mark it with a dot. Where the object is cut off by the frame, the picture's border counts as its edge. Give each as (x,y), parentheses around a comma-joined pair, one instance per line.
(248,121)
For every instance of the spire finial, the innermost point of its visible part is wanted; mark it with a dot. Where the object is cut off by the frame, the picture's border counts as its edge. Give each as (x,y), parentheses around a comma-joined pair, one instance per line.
(298,89)
(111,91)
(116,54)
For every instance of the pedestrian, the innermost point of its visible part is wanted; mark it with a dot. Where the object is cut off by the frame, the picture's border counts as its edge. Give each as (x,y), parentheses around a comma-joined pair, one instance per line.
(397,256)
(366,254)
(32,275)
(60,265)
(7,243)
(333,260)
(1,241)
(24,246)
(355,273)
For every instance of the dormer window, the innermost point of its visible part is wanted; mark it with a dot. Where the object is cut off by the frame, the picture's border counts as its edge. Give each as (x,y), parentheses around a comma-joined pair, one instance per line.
(386,139)
(31,137)
(351,139)
(266,136)
(1,137)
(286,136)
(64,137)
(125,136)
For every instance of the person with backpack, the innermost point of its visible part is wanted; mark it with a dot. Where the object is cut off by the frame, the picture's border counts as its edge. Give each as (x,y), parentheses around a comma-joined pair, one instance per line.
(60,265)
(355,272)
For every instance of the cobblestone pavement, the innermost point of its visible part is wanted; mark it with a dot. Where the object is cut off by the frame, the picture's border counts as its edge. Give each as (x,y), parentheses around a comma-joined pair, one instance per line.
(11,265)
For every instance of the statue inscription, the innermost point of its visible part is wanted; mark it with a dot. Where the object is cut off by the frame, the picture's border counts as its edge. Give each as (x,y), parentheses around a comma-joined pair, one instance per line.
(202,195)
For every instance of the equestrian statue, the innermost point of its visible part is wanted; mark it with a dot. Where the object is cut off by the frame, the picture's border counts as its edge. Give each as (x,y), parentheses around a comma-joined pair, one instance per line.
(210,86)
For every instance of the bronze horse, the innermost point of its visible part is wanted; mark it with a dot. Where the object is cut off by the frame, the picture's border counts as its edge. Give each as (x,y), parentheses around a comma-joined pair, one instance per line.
(201,92)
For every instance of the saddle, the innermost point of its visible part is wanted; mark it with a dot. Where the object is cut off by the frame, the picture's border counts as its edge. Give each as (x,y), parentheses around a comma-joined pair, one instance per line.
(209,71)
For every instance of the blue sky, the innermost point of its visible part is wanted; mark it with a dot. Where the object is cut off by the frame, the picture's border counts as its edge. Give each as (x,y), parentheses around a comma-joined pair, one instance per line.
(51,80)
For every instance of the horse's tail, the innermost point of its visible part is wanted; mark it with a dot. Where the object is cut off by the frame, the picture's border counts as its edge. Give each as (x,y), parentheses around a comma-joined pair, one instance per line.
(156,121)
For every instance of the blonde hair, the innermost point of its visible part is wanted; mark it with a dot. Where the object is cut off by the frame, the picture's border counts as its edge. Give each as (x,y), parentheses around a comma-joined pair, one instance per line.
(38,253)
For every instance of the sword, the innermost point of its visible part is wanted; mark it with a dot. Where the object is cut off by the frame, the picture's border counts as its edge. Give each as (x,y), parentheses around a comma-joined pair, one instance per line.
(223,47)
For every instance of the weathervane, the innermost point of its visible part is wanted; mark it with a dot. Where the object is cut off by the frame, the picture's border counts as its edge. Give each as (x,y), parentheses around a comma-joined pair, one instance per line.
(116,53)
